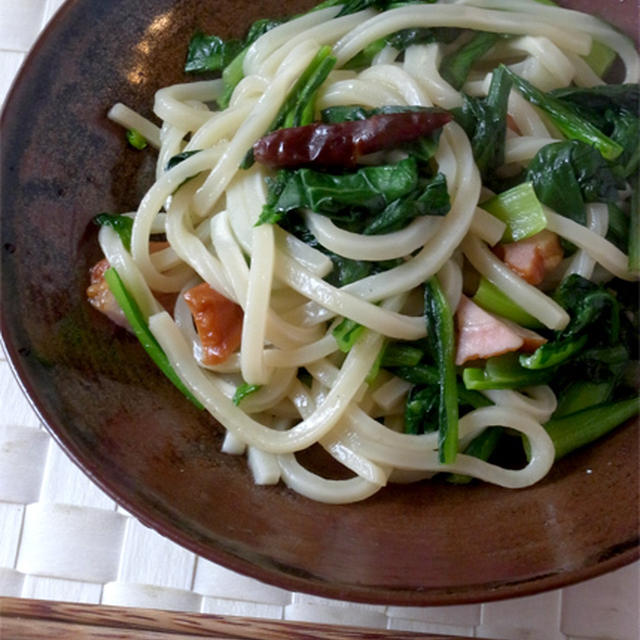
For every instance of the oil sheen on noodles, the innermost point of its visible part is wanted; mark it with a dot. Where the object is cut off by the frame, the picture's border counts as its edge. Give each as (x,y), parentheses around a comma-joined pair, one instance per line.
(289,308)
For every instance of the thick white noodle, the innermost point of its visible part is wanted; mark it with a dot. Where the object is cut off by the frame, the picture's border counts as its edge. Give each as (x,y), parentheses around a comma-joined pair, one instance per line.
(385,246)
(130,119)
(309,484)
(487,227)
(522,148)
(171,104)
(256,308)
(573,21)
(539,402)
(597,221)
(599,248)
(456,16)
(121,261)
(357,365)
(252,128)
(532,300)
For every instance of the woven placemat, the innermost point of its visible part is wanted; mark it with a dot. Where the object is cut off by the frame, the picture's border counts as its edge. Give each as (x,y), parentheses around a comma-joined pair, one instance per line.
(62,538)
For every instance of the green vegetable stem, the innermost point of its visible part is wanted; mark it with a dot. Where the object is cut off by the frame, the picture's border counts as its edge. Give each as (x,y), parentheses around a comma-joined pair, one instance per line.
(441,337)
(141,329)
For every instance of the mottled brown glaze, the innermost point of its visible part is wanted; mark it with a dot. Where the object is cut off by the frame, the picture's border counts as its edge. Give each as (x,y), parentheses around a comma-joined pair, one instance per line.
(135,435)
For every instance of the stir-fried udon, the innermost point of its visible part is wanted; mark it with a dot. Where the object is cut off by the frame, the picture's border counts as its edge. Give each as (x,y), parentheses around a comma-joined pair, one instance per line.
(406,232)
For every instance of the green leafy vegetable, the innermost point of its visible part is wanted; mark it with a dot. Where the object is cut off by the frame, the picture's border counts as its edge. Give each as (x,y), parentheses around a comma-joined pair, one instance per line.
(485,122)
(433,200)
(347,334)
(400,40)
(353,6)
(210,53)
(520,210)
(634,226)
(615,110)
(582,394)
(575,430)
(442,340)
(122,225)
(298,107)
(481,447)
(136,139)
(601,98)
(177,159)
(345,270)
(566,118)
(421,410)
(352,112)
(600,57)
(180,157)
(340,196)
(141,329)
(231,77)
(455,67)
(504,372)
(397,354)
(595,319)
(244,390)
(566,175)
(494,300)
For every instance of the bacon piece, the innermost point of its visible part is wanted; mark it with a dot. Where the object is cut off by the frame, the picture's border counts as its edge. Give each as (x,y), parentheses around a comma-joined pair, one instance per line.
(218,322)
(100,296)
(340,144)
(532,258)
(482,335)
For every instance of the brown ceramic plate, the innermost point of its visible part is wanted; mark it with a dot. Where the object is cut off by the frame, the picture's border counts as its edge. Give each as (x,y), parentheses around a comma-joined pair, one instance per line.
(136,436)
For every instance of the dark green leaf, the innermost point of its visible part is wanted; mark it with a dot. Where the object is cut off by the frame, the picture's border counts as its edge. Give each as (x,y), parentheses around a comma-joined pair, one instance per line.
(244,390)
(566,175)
(455,67)
(602,97)
(433,200)
(421,410)
(485,122)
(179,157)
(369,188)
(136,139)
(595,320)
(566,118)
(210,53)
(122,225)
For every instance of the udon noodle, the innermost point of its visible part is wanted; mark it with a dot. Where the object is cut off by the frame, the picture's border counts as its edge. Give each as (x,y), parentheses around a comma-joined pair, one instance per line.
(306,391)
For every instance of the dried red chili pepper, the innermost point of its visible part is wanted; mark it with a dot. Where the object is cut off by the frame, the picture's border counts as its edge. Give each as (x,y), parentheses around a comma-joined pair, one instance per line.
(341,144)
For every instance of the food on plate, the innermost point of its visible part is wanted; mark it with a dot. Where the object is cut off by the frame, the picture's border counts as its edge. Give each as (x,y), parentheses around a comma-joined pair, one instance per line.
(405,232)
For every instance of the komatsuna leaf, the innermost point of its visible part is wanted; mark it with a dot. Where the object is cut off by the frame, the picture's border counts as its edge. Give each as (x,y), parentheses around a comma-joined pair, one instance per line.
(566,175)
(369,188)
(210,53)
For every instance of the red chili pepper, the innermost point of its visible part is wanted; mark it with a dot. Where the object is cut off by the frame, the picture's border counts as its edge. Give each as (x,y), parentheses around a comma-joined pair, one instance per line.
(341,144)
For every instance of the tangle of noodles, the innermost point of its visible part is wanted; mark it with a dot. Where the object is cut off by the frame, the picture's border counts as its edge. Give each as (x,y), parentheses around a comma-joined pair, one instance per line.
(305,390)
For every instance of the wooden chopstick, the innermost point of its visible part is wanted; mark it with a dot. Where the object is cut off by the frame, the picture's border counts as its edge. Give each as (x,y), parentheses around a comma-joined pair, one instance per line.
(22,619)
